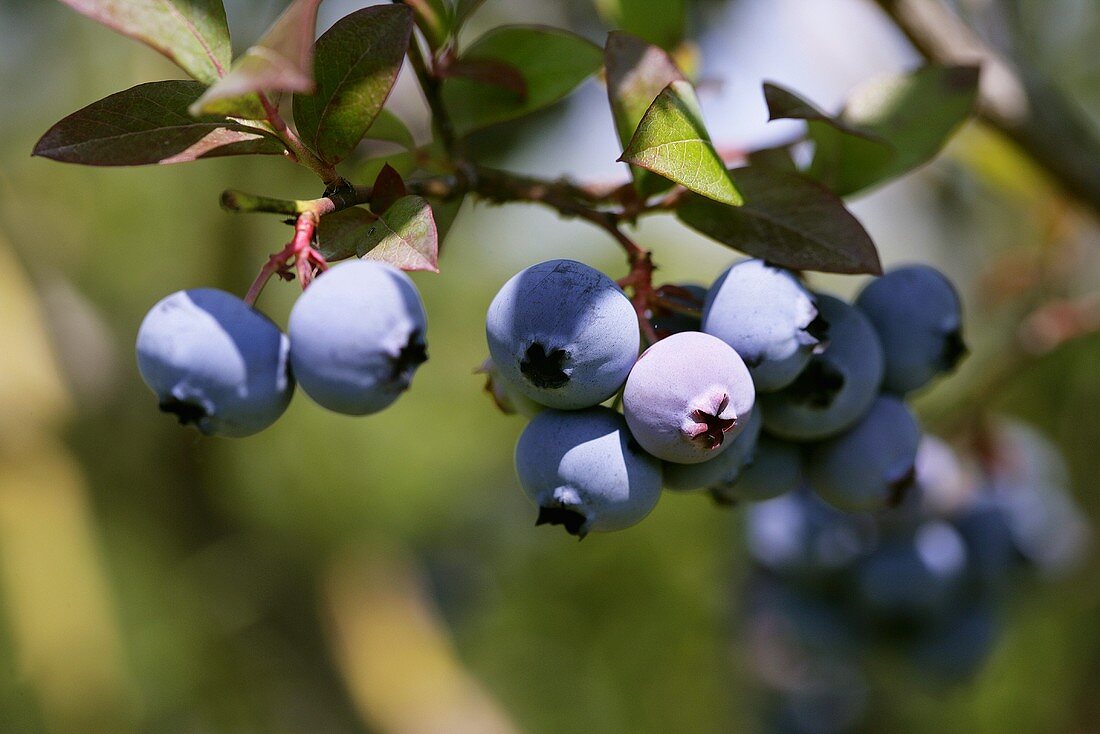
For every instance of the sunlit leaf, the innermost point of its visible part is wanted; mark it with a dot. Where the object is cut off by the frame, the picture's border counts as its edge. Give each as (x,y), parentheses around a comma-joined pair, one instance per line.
(786,219)
(637,72)
(148,124)
(281,61)
(355,65)
(193,33)
(551,61)
(671,140)
(405,236)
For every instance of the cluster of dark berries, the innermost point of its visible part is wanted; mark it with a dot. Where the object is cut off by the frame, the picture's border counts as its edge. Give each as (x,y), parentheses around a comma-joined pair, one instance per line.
(354,339)
(923,584)
(774,388)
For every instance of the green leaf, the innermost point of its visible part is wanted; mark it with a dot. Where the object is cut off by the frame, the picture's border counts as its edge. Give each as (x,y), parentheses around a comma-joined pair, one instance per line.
(551,61)
(636,73)
(464,9)
(786,219)
(671,140)
(356,63)
(434,18)
(281,61)
(192,33)
(340,233)
(148,124)
(445,211)
(404,236)
(389,128)
(660,22)
(889,127)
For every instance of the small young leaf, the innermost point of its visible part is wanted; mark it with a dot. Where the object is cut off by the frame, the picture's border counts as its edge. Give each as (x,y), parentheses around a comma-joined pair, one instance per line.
(192,33)
(435,19)
(148,124)
(551,61)
(660,22)
(281,61)
(355,66)
(339,233)
(388,188)
(636,73)
(405,236)
(671,140)
(786,219)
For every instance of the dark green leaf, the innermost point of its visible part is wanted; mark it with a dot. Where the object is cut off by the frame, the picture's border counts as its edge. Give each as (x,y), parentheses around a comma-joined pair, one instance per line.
(193,33)
(786,219)
(915,113)
(488,71)
(464,9)
(551,61)
(389,127)
(636,73)
(405,236)
(434,18)
(340,233)
(281,61)
(150,124)
(889,127)
(356,63)
(671,140)
(660,22)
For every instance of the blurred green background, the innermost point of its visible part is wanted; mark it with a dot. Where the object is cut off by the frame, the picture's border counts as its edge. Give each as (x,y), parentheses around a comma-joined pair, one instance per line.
(383,574)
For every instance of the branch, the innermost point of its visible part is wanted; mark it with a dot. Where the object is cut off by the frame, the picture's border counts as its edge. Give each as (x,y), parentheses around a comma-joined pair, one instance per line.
(1015,99)
(299,152)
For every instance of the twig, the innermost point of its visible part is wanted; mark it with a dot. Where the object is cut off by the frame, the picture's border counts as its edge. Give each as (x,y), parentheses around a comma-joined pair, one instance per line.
(298,150)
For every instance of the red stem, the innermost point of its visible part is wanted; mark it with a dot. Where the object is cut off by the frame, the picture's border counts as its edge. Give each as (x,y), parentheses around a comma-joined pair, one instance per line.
(307,260)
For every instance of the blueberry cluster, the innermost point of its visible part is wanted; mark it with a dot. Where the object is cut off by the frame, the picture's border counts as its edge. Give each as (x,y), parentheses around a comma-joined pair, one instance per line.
(773,388)
(924,584)
(355,338)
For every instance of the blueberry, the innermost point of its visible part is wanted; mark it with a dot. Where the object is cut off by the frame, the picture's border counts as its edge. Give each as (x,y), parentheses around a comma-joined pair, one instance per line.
(916,577)
(957,646)
(357,336)
(918,317)
(723,469)
(215,362)
(769,317)
(585,472)
(838,384)
(774,468)
(796,534)
(686,396)
(563,334)
(869,466)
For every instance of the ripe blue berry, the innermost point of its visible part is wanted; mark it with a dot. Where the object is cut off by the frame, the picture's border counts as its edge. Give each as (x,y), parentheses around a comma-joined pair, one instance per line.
(775,468)
(914,577)
(585,472)
(769,317)
(918,317)
(723,469)
(215,362)
(870,465)
(686,396)
(357,336)
(563,334)
(837,386)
